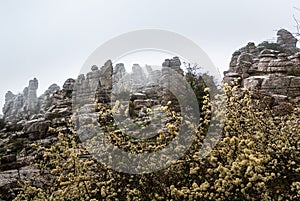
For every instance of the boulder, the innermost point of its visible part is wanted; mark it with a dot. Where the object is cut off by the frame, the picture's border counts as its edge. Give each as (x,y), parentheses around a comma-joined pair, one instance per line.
(287,41)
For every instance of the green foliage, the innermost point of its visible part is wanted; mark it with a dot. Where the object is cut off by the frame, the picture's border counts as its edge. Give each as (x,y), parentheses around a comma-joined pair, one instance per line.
(272,46)
(199,81)
(17,146)
(294,72)
(2,123)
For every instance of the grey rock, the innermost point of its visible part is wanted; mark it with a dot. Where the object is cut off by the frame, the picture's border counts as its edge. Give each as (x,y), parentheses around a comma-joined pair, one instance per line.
(106,73)
(253,83)
(8,158)
(94,68)
(23,104)
(69,85)
(138,76)
(269,72)
(287,41)
(153,76)
(96,86)
(119,72)
(173,64)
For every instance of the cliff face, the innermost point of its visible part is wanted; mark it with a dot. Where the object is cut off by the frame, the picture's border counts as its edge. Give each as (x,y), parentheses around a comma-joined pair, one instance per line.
(22,105)
(30,119)
(273,72)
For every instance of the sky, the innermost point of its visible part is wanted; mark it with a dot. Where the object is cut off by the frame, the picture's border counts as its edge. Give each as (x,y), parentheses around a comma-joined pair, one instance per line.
(51,39)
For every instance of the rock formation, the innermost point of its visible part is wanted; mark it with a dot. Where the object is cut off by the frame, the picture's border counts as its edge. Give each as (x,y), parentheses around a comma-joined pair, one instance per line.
(287,41)
(173,64)
(138,76)
(267,71)
(30,119)
(119,72)
(97,84)
(153,75)
(22,105)
(31,124)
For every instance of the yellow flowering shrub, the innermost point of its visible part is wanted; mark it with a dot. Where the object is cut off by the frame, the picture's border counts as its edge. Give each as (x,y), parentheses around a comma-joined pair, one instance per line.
(257,158)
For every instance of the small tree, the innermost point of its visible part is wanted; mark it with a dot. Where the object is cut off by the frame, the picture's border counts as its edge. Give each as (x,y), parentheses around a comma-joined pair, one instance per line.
(199,81)
(66,173)
(272,46)
(297,21)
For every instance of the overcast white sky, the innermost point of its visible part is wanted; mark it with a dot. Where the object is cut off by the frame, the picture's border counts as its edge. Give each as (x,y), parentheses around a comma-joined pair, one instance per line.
(51,39)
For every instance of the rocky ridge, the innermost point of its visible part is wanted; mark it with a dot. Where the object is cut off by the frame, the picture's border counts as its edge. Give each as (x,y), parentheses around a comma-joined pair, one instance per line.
(30,119)
(269,72)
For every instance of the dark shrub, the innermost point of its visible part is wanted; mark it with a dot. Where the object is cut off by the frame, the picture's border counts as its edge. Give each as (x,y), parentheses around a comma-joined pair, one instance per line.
(2,123)
(294,72)
(272,46)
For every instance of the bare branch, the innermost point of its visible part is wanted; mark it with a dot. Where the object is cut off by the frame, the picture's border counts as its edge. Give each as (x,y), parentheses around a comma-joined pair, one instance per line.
(297,25)
(296,8)
(297,22)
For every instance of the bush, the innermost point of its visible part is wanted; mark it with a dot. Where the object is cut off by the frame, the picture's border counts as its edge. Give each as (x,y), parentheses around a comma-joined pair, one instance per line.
(294,72)
(272,46)
(2,123)
(258,158)
(199,81)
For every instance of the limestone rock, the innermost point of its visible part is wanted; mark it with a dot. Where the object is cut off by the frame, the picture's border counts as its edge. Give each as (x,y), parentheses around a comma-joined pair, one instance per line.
(287,41)
(52,88)
(68,85)
(22,105)
(45,100)
(276,84)
(106,73)
(94,68)
(254,82)
(242,56)
(95,86)
(173,64)
(153,75)
(119,72)
(138,76)
(9,180)
(230,78)
(269,72)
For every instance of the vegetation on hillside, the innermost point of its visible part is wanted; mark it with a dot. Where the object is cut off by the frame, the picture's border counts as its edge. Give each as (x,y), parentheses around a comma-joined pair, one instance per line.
(2,123)
(272,46)
(257,158)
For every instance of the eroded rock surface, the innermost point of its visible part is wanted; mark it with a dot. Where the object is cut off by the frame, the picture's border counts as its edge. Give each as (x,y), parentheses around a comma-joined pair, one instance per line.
(21,105)
(30,119)
(266,71)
